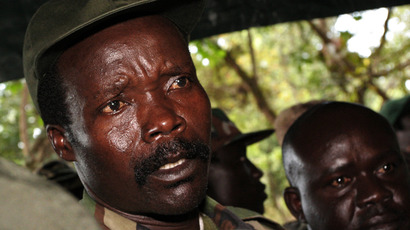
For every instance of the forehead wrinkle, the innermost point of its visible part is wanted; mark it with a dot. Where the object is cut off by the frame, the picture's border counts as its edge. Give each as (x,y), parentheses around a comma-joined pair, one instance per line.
(114,87)
(165,67)
(109,66)
(114,53)
(170,69)
(145,66)
(154,69)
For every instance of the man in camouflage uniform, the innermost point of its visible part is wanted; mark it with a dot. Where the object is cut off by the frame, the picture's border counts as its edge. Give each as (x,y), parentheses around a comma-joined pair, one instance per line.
(116,87)
(213,216)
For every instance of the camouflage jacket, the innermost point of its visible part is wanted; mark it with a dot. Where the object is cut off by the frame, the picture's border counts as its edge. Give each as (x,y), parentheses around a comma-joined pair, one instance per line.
(295,225)
(214,216)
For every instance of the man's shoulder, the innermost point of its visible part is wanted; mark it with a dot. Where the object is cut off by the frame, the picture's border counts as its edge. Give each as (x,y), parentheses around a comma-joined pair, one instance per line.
(213,216)
(228,217)
(257,220)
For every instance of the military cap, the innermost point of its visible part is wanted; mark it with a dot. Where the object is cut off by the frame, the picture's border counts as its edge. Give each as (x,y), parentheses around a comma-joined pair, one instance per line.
(225,132)
(60,23)
(392,110)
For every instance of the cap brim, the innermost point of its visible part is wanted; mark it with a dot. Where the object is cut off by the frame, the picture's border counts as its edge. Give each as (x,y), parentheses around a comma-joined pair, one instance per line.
(251,138)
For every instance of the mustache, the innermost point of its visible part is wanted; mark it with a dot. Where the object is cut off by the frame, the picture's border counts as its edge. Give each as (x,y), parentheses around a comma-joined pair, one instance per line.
(387,210)
(159,156)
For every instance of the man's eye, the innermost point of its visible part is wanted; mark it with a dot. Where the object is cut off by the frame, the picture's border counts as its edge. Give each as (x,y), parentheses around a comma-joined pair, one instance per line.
(341,181)
(389,167)
(180,83)
(113,106)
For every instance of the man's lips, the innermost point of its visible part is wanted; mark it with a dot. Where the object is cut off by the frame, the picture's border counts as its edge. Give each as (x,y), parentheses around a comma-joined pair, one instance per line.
(175,172)
(265,196)
(260,188)
(165,158)
(383,222)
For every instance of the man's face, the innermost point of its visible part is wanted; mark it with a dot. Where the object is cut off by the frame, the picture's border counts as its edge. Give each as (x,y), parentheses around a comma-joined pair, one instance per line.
(234,180)
(141,119)
(403,137)
(357,179)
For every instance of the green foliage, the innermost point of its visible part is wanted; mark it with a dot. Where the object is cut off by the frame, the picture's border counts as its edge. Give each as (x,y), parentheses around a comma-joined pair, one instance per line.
(292,67)
(357,18)
(9,135)
(11,144)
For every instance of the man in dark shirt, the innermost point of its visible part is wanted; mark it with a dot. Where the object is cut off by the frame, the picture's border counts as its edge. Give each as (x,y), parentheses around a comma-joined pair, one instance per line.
(345,170)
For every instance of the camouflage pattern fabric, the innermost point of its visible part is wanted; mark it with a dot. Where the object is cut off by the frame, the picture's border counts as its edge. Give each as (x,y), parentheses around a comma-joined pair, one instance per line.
(295,225)
(214,216)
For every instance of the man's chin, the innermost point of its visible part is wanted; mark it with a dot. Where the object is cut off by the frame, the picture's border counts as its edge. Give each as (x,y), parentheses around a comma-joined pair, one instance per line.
(183,200)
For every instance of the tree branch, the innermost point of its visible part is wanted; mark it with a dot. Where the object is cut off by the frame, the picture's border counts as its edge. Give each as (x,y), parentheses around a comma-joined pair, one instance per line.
(253,56)
(383,38)
(397,67)
(252,85)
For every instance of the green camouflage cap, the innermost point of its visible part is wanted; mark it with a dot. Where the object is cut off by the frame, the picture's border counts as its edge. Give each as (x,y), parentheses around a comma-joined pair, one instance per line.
(60,23)
(392,110)
(225,132)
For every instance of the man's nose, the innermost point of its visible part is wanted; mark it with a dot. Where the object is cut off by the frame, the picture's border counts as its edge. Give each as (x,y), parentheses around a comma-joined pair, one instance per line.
(251,169)
(371,191)
(162,121)
(256,172)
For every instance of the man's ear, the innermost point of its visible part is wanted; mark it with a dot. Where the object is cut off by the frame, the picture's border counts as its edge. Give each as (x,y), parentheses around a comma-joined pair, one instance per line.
(292,200)
(57,136)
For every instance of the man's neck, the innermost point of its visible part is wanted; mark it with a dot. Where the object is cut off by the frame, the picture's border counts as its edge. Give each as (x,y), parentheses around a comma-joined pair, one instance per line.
(190,220)
(165,222)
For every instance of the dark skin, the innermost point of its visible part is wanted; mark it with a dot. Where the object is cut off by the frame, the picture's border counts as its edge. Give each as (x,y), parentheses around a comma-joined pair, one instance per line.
(234,180)
(346,171)
(403,136)
(133,87)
